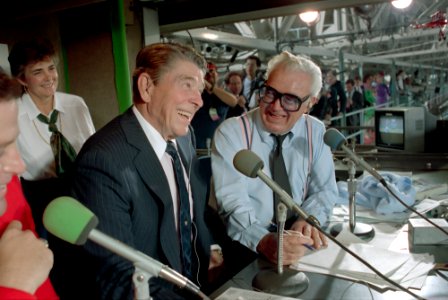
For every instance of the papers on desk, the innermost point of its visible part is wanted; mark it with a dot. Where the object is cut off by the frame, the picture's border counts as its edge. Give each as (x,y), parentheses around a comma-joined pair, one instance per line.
(241,294)
(409,270)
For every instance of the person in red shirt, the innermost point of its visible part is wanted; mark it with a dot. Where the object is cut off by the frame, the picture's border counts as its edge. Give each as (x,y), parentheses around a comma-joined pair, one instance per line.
(25,261)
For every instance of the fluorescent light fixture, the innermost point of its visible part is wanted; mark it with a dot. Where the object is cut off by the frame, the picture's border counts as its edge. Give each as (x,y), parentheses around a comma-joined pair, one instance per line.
(309,17)
(401,4)
(210,36)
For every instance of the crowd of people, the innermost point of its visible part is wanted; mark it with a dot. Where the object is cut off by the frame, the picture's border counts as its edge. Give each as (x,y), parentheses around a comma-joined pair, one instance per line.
(140,175)
(237,93)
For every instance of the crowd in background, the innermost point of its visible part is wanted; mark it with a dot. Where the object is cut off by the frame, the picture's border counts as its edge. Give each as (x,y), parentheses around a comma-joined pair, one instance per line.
(336,98)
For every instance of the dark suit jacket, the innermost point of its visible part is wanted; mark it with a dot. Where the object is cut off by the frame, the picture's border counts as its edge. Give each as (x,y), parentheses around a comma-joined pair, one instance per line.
(119,177)
(358,101)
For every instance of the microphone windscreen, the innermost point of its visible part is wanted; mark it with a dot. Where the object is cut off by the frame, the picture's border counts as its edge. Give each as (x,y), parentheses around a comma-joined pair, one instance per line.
(69,220)
(247,163)
(334,139)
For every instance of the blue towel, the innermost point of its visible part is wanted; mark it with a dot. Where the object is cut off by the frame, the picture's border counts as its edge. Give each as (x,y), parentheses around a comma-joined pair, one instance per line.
(372,194)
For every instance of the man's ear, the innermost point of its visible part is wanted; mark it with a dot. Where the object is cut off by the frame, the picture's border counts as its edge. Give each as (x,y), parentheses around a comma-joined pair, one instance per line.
(145,87)
(311,103)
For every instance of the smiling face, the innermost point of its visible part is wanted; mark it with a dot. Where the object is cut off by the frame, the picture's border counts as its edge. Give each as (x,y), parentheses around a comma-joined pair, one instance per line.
(10,161)
(275,119)
(170,105)
(40,79)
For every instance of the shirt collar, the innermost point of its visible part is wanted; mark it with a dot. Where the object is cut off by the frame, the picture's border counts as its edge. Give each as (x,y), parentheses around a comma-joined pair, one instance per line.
(30,108)
(156,140)
(266,136)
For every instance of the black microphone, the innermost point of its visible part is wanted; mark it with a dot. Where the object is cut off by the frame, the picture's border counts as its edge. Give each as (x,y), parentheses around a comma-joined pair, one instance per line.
(336,140)
(248,163)
(72,222)
(234,55)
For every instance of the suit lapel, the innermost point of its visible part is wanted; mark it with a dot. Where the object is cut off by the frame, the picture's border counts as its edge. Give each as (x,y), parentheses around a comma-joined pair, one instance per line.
(152,174)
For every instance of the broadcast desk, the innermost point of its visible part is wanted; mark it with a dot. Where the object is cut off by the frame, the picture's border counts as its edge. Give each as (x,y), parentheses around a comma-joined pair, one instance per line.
(331,287)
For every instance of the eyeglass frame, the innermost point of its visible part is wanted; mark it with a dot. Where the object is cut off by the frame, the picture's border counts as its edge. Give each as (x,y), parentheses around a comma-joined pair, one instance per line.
(279,96)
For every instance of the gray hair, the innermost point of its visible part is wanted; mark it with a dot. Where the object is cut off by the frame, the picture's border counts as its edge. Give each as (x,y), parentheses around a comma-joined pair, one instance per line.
(298,63)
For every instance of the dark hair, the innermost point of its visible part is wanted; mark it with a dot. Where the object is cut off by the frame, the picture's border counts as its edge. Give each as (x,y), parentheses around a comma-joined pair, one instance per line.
(27,52)
(231,74)
(159,58)
(350,81)
(367,77)
(257,60)
(9,87)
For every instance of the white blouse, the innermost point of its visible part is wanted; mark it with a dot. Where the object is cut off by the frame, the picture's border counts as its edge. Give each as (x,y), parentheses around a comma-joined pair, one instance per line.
(74,122)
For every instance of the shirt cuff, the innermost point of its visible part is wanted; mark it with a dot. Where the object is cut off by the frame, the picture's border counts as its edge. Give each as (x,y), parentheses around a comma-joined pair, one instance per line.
(215,247)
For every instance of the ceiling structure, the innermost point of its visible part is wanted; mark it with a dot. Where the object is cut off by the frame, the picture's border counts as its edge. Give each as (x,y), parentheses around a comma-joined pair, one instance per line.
(367,32)
(372,33)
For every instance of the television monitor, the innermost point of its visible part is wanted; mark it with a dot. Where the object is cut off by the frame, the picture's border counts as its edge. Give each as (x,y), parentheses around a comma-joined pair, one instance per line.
(400,129)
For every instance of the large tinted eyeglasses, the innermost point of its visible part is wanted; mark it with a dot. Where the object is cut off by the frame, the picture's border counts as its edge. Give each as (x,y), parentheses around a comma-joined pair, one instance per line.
(287,101)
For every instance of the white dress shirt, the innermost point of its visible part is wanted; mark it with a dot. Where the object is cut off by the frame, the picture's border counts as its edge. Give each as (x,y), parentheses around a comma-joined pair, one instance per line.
(74,122)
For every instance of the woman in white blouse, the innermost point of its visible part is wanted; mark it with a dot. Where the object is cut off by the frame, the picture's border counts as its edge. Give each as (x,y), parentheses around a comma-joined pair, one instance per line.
(33,64)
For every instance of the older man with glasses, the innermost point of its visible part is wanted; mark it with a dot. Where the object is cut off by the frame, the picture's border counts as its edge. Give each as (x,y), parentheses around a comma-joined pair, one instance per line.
(289,141)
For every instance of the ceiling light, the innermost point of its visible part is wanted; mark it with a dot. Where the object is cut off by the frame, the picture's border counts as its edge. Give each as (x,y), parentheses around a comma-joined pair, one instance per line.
(310,17)
(210,36)
(401,4)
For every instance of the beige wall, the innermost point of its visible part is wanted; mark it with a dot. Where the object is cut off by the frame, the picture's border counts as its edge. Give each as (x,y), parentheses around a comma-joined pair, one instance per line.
(88,49)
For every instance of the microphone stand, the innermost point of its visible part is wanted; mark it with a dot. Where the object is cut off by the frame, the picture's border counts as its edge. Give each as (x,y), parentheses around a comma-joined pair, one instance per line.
(289,282)
(281,219)
(141,283)
(361,230)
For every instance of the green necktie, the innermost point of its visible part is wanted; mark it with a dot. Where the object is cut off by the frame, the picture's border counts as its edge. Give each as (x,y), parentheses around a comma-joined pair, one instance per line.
(64,154)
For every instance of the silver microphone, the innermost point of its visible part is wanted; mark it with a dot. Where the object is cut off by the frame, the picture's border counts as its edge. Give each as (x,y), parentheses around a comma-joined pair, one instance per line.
(336,141)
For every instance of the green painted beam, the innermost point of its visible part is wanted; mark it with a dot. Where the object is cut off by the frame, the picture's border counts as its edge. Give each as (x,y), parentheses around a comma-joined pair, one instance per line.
(120,53)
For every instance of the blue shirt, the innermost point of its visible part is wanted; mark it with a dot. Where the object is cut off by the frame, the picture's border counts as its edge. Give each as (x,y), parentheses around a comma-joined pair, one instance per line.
(246,204)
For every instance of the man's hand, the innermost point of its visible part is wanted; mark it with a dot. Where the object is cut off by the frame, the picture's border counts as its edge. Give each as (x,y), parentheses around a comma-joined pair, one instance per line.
(241,101)
(25,261)
(318,239)
(293,248)
(215,266)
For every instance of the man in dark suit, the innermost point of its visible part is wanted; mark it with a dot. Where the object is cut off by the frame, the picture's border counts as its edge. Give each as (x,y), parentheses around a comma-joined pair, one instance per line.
(124,175)
(355,102)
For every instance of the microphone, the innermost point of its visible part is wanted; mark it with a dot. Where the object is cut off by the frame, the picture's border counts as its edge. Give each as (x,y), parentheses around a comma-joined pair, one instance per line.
(249,164)
(72,222)
(336,140)
(283,282)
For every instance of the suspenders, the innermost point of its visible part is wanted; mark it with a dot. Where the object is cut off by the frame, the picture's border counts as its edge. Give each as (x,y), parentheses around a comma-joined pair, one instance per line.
(247,135)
